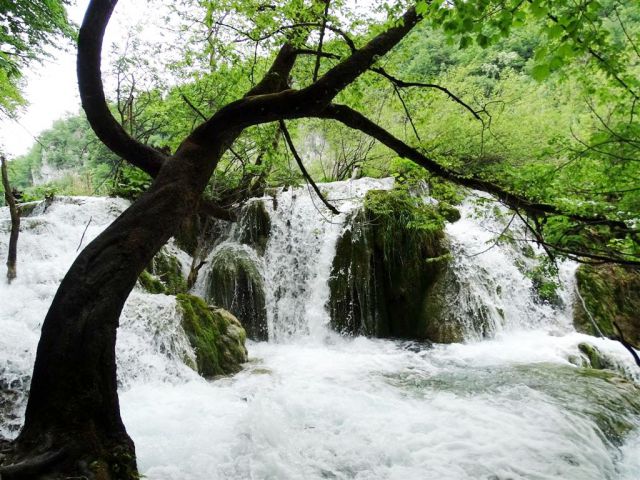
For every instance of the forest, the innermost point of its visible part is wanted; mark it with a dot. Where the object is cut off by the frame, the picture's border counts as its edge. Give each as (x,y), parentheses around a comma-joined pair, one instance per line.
(324,239)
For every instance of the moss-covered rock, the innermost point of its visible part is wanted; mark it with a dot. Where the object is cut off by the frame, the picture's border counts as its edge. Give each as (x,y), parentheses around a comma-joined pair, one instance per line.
(163,275)
(255,225)
(235,284)
(596,359)
(385,265)
(442,323)
(449,213)
(611,294)
(151,283)
(215,334)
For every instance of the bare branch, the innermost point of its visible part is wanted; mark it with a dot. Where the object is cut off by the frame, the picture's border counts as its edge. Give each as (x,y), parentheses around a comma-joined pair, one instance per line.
(306,175)
(94,102)
(192,106)
(402,84)
(316,69)
(398,83)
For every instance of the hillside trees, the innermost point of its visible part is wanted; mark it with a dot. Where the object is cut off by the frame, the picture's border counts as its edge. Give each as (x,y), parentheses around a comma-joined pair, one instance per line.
(72,424)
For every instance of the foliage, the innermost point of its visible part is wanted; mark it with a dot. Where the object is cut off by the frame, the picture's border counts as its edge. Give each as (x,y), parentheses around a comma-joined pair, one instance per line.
(404,223)
(27,28)
(163,275)
(129,182)
(544,276)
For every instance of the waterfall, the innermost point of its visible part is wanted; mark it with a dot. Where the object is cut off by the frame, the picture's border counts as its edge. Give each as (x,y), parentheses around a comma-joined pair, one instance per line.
(508,402)
(151,343)
(492,274)
(491,290)
(300,253)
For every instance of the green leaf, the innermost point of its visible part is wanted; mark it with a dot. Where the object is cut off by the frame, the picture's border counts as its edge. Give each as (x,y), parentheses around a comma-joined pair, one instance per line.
(540,72)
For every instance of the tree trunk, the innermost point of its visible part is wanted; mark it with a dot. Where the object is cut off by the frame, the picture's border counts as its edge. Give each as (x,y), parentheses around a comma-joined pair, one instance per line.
(72,423)
(15,222)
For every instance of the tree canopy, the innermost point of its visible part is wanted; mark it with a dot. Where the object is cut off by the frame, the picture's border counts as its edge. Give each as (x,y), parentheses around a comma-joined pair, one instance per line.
(27,30)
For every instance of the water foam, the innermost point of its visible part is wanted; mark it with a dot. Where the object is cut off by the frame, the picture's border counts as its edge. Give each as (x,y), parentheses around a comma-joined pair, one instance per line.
(317,405)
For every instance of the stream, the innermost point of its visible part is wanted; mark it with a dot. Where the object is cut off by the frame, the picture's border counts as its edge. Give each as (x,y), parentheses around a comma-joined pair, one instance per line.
(506,404)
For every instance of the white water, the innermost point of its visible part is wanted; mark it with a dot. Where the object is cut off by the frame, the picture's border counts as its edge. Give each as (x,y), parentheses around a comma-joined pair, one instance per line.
(315,405)
(492,275)
(300,252)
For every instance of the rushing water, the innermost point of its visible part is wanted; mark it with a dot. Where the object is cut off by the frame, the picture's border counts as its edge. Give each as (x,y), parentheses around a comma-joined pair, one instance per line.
(311,404)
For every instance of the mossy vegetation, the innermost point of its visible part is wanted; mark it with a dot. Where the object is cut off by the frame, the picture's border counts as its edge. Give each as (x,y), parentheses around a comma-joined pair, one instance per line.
(448,212)
(151,283)
(404,224)
(235,284)
(544,277)
(255,226)
(385,265)
(611,294)
(163,275)
(216,336)
(596,359)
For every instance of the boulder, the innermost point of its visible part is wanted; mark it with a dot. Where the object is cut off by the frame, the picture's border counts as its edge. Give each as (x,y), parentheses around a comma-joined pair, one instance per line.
(163,274)
(255,226)
(388,262)
(216,336)
(235,283)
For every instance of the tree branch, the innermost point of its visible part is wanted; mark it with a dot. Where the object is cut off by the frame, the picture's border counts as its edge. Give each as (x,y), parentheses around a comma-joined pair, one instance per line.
(316,68)
(399,83)
(15,221)
(94,102)
(306,175)
(262,106)
(357,121)
(192,106)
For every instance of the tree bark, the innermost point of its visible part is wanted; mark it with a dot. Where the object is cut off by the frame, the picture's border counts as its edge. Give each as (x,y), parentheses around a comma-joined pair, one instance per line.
(15,222)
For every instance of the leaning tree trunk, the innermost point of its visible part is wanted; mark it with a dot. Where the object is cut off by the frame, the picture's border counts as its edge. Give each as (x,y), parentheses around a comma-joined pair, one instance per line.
(15,222)
(72,423)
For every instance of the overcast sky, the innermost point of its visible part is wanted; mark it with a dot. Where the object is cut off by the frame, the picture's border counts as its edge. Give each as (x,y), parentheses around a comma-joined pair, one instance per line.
(51,88)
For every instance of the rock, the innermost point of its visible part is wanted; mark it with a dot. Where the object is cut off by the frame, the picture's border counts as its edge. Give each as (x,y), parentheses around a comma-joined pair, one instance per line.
(578,361)
(611,293)
(216,336)
(27,209)
(450,213)
(386,264)
(235,284)
(163,275)
(255,226)
(596,359)
(151,283)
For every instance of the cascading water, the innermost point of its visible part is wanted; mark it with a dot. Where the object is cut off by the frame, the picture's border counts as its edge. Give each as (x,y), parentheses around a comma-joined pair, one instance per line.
(300,253)
(151,343)
(311,404)
(493,276)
